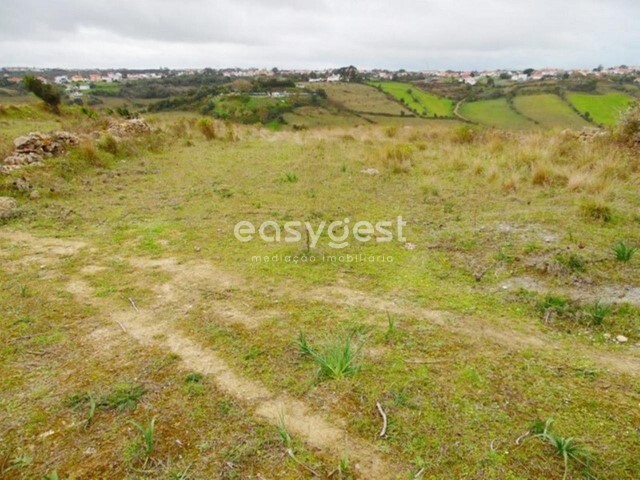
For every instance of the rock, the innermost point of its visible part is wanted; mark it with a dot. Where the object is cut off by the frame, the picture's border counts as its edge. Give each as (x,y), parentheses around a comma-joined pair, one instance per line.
(134,126)
(22,185)
(8,208)
(370,171)
(621,339)
(34,195)
(31,149)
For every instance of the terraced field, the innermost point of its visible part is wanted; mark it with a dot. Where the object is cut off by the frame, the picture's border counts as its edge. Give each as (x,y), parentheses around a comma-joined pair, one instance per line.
(604,109)
(495,113)
(362,98)
(423,103)
(549,111)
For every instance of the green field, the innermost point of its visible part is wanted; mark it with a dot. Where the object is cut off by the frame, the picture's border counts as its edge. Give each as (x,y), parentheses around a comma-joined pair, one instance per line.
(361,98)
(495,113)
(549,111)
(419,101)
(604,109)
(321,117)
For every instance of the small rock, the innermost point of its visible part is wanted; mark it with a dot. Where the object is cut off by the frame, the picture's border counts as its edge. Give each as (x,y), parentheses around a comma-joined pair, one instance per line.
(8,208)
(34,195)
(409,246)
(621,339)
(197,248)
(370,171)
(607,336)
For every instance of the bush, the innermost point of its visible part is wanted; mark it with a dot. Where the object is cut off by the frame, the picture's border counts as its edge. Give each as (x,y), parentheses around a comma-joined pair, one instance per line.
(628,130)
(47,93)
(207,128)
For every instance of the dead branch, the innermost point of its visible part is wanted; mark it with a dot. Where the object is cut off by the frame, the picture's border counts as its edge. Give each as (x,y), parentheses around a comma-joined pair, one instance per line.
(383,432)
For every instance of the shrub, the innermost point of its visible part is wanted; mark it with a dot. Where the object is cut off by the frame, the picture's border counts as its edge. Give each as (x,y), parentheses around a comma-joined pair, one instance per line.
(207,128)
(49,94)
(628,129)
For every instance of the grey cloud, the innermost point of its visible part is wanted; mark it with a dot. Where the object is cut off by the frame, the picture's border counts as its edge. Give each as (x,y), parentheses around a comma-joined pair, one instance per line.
(303,33)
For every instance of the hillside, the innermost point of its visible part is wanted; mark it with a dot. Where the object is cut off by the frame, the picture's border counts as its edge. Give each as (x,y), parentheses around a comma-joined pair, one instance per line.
(147,333)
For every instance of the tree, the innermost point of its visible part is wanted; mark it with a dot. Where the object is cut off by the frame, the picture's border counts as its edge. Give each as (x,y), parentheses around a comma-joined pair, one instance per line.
(528,71)
(44,91)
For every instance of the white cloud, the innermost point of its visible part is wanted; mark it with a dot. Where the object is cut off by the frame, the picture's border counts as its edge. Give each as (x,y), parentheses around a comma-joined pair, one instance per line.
(413,34)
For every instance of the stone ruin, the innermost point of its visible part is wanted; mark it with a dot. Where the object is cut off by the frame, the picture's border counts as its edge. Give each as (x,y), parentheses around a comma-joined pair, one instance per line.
(31,149)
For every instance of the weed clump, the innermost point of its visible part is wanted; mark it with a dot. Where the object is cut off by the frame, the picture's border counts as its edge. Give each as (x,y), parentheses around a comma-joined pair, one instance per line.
(398,158)
(207,128)
(336,359)
(597,210)
(624,252)
(108,143)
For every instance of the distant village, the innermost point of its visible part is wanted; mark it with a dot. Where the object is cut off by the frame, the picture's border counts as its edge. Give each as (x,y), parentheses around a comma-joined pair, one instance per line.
(79,82)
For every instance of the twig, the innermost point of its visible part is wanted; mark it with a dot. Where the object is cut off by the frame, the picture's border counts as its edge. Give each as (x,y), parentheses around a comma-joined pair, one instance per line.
(520,439)
(133,304)
(383,432)
(419,474)
(121,326)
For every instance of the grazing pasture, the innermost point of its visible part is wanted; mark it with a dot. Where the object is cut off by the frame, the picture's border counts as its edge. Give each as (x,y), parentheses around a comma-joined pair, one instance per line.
(549,111)
(604,109)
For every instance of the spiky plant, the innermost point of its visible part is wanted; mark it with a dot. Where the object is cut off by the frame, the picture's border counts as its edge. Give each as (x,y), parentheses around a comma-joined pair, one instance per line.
(336,359)
(624,252)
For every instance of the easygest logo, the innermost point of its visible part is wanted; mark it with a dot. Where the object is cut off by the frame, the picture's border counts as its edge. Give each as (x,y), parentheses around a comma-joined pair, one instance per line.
(339,232)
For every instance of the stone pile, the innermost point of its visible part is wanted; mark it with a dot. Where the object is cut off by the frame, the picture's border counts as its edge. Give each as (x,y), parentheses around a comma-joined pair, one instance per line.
(31,149)
(129,128)
(586,134)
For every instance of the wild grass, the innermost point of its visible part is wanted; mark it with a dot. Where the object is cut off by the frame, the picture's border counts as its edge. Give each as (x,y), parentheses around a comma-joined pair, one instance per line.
(398,158)
(623,252)
(147,433)
(289,177)
(598,312)
(336,359)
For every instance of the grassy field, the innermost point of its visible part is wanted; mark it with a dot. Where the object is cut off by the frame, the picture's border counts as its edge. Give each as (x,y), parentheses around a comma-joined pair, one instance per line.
(495,113)
(127,298)
(421,102)
(549,111)
(604,109)
(361,98)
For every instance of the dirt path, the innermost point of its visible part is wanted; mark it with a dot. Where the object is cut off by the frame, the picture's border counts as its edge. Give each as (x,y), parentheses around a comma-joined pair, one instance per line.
(150,327)
(153,326)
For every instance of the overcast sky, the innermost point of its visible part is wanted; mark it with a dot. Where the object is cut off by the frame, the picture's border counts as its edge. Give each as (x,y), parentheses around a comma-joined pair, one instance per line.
(411,34)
